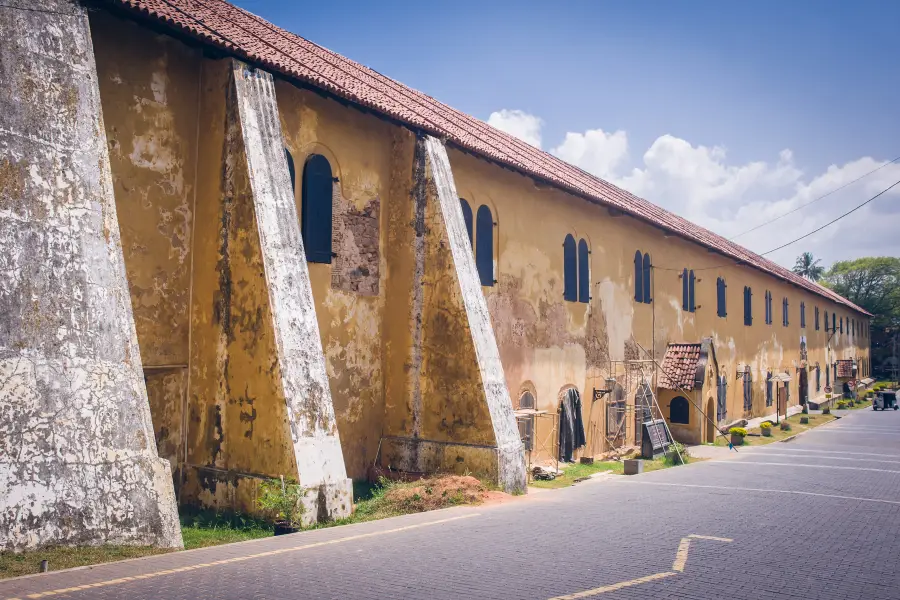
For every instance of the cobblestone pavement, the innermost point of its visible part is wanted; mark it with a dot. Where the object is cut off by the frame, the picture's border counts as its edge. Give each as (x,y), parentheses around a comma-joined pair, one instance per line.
(816,517)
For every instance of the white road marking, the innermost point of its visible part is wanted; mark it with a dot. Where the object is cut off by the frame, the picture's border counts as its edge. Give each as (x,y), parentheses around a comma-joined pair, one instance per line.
(778,464)
(788,448)
(889,462)
(748,489)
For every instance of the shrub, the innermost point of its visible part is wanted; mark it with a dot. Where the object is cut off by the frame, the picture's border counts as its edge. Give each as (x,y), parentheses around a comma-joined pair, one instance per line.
(737,431)
(281,498)
(842,404)
(765,425)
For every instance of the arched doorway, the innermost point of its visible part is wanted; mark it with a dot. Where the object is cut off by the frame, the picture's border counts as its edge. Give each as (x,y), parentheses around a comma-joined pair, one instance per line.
(710,419)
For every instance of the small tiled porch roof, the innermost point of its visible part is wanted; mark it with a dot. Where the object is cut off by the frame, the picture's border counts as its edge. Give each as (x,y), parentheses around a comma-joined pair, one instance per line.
(684,366)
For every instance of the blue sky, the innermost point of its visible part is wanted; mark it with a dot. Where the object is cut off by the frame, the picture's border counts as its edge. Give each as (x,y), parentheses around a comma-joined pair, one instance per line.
(705,96)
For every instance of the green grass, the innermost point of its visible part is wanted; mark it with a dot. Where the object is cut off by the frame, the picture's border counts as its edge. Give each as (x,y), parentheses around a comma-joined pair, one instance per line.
(201,528)
(575,472)
(27,563)
(755,438)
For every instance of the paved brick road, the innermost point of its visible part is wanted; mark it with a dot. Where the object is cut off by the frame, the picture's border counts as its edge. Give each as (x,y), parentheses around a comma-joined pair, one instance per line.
(818,517)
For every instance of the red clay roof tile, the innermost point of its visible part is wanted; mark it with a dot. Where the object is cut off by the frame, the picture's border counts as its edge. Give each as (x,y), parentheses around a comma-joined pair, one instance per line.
(250,37)
(679,367)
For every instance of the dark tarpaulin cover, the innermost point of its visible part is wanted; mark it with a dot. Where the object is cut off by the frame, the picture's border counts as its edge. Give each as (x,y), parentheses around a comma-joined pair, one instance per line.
(571,425)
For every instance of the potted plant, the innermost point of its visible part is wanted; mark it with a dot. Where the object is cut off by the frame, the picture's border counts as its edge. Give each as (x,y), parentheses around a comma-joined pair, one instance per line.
(281,498)
(737,435)
(804,420)
(842,404)
(766,429)
(785,426)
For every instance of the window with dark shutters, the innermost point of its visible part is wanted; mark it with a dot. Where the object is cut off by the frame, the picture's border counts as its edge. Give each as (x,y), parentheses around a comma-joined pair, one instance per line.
(842,324)
(638,277)
(584,272)
(748,306)
(646,284)
(803,314)
(316,200)
(484,245)
(685,293)
(784,312)
(720,297)
(817,318)
(570,270)
(467,217)
(292,172)
(833,322)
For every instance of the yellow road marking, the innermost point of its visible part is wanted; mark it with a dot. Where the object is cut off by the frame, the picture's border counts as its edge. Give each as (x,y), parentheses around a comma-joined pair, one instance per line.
(350,538)
(681,556)
(616,586)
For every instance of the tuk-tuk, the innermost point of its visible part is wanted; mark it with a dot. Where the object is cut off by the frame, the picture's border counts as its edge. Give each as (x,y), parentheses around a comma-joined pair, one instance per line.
(885,399)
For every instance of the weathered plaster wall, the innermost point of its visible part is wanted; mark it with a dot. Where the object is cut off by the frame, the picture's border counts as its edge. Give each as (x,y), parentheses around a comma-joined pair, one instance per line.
(548,343)
(78,461)
(149,87)
(260,401)
(348,293)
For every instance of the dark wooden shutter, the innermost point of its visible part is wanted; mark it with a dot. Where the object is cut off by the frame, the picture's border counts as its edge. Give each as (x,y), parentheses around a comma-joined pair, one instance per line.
(693,304)
(638,277)
(292,172)
(467,217)
(646,282)
(584,272)
(570,270)
(316,221)
(685,296)
(484,245)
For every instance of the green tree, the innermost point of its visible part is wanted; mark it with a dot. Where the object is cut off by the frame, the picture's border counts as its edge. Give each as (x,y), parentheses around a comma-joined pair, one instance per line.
(808,266)
(872,283)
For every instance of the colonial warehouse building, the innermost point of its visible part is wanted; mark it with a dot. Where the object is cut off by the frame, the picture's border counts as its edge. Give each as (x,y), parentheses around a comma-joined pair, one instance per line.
(230,254)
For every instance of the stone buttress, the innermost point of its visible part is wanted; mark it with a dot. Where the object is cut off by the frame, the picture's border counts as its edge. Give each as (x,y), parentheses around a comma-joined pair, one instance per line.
(260,399)
(78,461)
(459,416)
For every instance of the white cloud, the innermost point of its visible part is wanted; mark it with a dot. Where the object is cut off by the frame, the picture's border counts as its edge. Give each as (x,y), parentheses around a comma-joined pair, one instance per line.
(518,123)
(700,184)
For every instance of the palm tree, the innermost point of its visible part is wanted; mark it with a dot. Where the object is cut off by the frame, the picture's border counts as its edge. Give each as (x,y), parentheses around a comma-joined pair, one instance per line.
(808,266)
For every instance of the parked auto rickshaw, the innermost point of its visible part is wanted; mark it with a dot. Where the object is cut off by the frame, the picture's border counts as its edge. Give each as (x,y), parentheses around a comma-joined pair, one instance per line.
(885,399)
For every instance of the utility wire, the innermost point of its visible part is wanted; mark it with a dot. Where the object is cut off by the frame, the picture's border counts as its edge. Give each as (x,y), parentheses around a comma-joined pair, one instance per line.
(832,222)
(822,197)
(794,241)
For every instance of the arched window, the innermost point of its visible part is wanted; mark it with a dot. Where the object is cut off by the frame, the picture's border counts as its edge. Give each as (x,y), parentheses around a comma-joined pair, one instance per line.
(292,173)
(638,277)
(584,272)
(721,309)
(484,245)
(685,294)
(467,217)
(570,270)
(679,411)
(748,308)
(316,222)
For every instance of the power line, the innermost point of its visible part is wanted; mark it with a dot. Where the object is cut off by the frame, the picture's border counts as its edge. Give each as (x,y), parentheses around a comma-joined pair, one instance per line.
(802,237)
(822,197)
(832,222)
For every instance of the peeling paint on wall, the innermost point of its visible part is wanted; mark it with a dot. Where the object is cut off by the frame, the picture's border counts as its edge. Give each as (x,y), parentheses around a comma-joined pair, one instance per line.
(78,461)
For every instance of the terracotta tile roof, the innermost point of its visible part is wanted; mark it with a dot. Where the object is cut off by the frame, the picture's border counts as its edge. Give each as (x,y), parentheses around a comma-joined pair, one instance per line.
(247,36)
(679,367)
